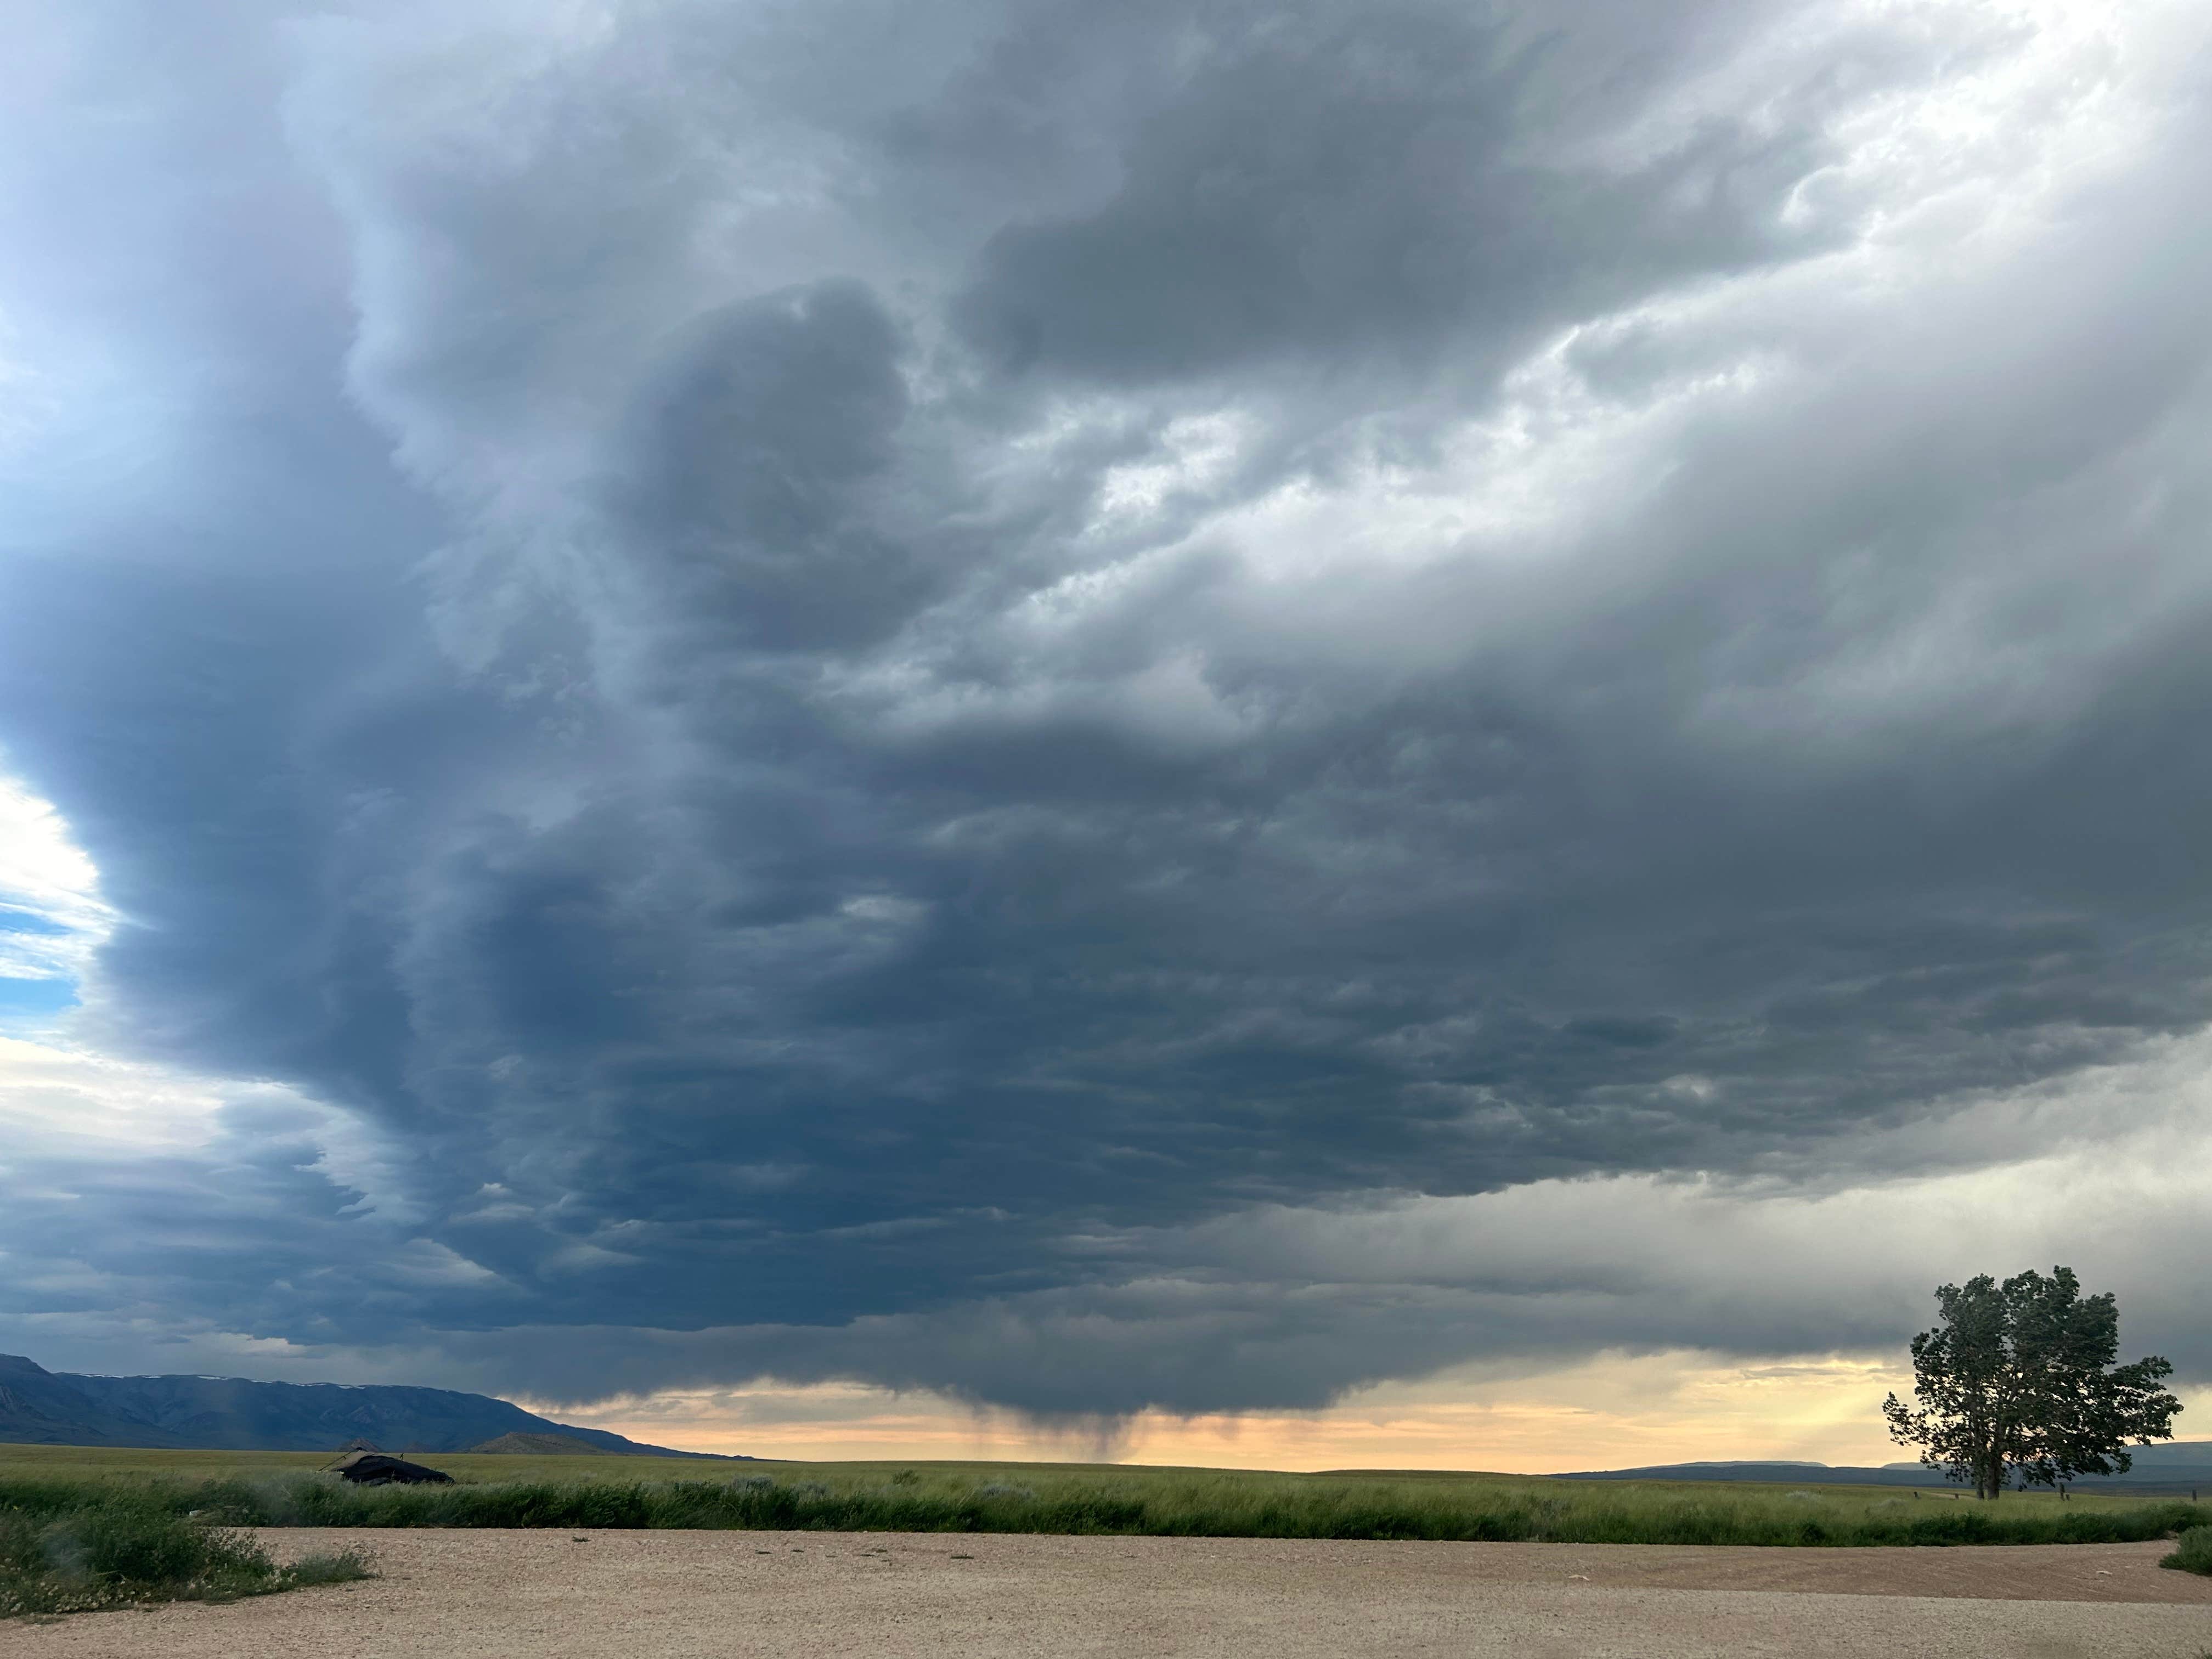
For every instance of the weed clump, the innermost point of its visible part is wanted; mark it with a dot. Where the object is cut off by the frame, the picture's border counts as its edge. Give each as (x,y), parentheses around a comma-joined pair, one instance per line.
(2192,1552)
(113,1550)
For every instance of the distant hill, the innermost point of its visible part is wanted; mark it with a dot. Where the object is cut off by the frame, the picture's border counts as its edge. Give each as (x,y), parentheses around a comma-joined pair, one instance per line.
(231,1414)
(540,1445)
(1905,1475)
(2166,1455)
(2178,1467)
(40,1409)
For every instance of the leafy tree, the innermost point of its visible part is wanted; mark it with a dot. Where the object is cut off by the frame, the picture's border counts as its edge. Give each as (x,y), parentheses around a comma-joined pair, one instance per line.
(2020,1376)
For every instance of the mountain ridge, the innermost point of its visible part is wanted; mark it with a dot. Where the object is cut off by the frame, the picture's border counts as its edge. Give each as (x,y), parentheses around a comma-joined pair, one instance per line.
(234,1414)
(2174,1467)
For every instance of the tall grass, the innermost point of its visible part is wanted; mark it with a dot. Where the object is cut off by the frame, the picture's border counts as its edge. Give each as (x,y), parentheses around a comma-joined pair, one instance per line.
(1158,1503)
(2192,1552)
(74,1553)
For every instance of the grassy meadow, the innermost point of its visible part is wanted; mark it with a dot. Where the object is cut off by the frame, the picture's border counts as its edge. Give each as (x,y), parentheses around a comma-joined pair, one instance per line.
(286,1489)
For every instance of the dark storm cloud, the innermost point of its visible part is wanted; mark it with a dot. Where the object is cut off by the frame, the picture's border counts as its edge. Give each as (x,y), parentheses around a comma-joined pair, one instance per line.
(778,410)
(980,656)
(1327,186)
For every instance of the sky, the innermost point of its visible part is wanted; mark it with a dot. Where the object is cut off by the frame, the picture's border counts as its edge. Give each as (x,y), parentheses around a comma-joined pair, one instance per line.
(1311,735)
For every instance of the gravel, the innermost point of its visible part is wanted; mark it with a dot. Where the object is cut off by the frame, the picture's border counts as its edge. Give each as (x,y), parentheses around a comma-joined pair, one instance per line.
(485,1595)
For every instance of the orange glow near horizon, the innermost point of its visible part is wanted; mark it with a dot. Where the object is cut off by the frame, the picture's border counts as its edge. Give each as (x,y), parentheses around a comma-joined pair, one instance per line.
(1613,1410)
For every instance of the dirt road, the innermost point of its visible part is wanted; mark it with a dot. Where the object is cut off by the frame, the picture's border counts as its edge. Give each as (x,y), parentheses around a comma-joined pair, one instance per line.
(478,1595)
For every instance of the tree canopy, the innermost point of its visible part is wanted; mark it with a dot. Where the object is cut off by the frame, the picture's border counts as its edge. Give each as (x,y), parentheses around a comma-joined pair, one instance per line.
(2020,1377)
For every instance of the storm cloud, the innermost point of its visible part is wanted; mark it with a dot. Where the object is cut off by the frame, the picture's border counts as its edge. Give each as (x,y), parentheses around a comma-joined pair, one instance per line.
(1097,707)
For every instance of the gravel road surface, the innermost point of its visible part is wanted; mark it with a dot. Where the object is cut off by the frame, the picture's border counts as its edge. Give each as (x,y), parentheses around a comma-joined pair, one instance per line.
(484,1595)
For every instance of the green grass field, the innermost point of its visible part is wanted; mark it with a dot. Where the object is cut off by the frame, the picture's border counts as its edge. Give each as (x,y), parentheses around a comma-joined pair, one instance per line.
(286,1489)
(104,1463)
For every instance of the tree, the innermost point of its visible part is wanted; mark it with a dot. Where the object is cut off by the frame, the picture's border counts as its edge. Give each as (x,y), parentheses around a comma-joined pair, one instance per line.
(2020,1376)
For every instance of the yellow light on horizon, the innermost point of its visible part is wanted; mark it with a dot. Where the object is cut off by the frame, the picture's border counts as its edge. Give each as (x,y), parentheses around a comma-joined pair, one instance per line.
(1613,1410)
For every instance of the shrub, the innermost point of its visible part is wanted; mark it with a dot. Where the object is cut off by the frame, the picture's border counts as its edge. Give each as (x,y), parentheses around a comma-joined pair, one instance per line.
(2192,1552)
(115,1550)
